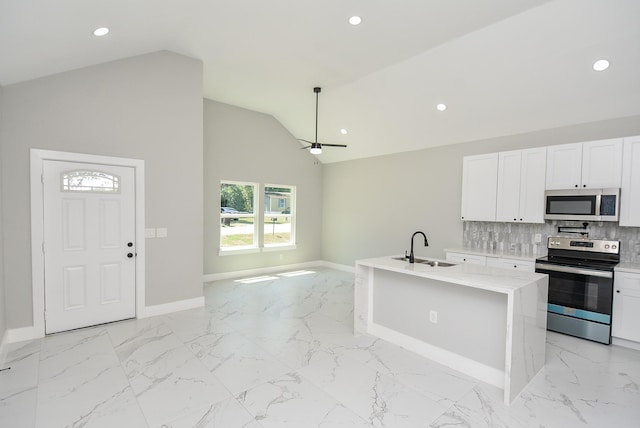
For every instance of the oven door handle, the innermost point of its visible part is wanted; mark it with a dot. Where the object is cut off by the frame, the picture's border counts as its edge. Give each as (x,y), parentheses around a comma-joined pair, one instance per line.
(569,269)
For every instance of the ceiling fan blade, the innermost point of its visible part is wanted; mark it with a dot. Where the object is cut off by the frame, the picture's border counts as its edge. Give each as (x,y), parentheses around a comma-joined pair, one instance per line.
(306,141)
(305,148)
(333,145)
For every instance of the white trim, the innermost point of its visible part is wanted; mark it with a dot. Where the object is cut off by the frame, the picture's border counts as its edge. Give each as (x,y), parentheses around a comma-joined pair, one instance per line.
(238,250)
(626,343)
(257,271)
(336,266)
(3,348)
(167,308)
(480,371)
(21,334)
(278,247)
(271,269)
(37,225)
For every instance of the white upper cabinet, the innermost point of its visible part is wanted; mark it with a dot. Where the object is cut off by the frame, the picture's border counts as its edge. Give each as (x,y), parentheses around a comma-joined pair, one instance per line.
(521,185)
(594,164)
(479,187)
(602,163)
(630,191)
(564,166)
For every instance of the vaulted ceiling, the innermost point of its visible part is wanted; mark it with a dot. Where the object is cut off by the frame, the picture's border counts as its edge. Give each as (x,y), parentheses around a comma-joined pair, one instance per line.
(502,67)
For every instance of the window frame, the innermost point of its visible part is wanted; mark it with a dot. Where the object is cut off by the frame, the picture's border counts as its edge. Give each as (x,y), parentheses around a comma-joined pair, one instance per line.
(260,217)
(291,216)
(238,249)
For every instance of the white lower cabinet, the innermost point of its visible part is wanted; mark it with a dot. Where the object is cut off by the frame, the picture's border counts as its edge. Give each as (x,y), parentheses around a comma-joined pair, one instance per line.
(518,264)
(501,262)
(466,258)
(626,306)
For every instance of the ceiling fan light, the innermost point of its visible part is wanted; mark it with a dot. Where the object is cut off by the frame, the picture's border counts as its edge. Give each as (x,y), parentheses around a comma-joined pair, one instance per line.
(102,31)
(601,65)
(316,149)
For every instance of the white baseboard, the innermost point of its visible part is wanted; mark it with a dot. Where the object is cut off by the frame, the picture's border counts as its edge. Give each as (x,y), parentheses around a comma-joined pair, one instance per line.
(29,333)
(167,308)
(626,343)
(23,333)
(272,269)
(450,359)
(3,348)
(337,266)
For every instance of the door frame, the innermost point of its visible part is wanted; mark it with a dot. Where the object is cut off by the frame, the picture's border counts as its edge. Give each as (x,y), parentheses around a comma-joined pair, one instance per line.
(37,158)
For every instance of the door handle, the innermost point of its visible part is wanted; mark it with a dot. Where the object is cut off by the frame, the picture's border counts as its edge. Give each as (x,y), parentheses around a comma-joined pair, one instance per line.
(130,255)
(129,244)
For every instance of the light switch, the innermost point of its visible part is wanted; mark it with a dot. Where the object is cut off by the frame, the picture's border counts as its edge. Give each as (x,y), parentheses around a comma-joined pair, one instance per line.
(150,233)
(161,232)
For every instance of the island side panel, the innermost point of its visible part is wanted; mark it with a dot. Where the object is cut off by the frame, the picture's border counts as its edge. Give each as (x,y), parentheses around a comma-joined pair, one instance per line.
(471,322)
(527,345)
(362,285)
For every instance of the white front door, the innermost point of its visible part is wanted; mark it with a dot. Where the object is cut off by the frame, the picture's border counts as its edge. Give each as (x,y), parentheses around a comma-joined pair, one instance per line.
(89,244)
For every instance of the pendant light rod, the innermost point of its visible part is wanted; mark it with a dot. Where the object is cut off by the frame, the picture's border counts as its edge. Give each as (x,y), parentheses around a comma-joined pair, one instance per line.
(317,90)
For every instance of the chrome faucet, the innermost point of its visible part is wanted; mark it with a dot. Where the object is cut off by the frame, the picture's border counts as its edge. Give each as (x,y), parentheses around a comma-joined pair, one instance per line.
(411,258)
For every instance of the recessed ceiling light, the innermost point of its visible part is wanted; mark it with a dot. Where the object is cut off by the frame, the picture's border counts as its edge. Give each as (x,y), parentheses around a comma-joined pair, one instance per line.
(441,107)
(601,65)
(355,20)
(102,31)
(343,131)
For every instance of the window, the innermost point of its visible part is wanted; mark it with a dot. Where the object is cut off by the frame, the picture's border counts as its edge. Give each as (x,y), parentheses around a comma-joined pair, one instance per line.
(242,229)
(89,181)
(238,215)
(278,215)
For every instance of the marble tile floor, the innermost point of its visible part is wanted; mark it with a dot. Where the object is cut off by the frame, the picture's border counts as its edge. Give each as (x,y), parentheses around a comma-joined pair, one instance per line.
(281,353)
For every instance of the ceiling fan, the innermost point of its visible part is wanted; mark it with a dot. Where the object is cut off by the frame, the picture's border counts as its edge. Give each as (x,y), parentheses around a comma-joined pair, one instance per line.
(316,148)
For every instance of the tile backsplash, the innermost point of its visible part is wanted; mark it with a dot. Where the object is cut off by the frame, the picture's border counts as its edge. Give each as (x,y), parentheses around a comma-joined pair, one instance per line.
(519,238)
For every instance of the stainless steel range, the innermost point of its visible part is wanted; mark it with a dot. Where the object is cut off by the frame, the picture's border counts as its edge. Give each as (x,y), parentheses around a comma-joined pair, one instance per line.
(580,286)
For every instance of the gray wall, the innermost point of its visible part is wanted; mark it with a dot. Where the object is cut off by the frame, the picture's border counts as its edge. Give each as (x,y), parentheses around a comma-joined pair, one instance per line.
(372,206)
(3,321)
(147,107)
(243,145)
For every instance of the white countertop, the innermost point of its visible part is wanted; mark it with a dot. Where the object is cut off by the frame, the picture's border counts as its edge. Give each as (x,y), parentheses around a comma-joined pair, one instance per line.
(476,276)
(506,254)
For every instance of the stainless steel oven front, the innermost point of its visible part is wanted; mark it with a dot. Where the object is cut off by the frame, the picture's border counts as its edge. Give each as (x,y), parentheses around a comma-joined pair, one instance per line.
(580,285)
(580,301)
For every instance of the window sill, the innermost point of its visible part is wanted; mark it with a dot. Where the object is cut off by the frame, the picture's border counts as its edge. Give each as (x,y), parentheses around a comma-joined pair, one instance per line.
(285,247)
(235,251)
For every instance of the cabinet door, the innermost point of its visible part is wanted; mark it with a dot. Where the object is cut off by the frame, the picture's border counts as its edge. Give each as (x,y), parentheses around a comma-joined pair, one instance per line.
(532,185)
(626,306)
(508,199)
(479,187)
(466,258)
(511,264)
(630,192)
(602,163)
(564,166)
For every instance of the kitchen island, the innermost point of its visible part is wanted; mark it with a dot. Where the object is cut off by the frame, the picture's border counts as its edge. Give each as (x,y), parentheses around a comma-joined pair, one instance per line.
(487,322)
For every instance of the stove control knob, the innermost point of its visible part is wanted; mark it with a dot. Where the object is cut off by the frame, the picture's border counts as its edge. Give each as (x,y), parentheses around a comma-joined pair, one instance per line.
(606,246)
(614,247)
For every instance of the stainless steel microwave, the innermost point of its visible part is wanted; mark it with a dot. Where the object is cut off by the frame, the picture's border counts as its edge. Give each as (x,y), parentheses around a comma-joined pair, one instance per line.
(582,204)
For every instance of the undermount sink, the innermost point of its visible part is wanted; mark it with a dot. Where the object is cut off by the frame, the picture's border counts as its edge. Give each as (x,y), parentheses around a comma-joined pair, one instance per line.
(433,263)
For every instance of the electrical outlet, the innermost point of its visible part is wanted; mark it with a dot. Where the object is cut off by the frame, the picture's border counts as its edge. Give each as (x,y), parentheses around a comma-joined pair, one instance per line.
(433,316)
(537,238)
